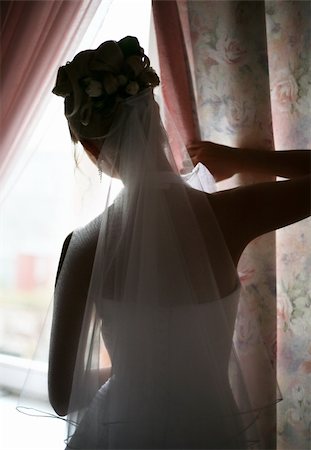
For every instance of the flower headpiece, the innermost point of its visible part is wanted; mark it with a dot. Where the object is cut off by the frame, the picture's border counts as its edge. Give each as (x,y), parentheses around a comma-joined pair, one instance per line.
(95,82)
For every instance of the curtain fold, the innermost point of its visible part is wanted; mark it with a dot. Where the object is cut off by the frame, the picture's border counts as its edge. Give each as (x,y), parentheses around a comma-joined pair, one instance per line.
(176,83)
(226,71)
(243,70)
(35,36)
(289,52)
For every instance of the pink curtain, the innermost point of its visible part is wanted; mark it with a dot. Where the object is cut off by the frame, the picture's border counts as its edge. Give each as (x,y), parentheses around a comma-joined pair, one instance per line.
(34,37)
(176,81)
(247,71)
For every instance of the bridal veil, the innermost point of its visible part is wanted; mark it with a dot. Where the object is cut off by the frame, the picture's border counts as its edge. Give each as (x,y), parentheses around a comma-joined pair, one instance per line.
(158,299)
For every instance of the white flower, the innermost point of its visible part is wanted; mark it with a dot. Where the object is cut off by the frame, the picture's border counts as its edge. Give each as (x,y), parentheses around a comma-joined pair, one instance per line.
(94,88)
(122,80)
(111,83)
(132,88)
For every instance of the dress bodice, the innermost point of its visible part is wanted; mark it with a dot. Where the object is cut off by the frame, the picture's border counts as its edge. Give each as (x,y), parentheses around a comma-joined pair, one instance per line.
(176,320)
(167,348)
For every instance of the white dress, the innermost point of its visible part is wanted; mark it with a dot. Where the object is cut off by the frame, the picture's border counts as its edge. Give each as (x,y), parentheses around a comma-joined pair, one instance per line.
(175,401)
(153,273)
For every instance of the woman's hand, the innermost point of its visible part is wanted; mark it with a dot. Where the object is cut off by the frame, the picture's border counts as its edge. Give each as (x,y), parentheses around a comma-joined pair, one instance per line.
(219,159)
(223,161)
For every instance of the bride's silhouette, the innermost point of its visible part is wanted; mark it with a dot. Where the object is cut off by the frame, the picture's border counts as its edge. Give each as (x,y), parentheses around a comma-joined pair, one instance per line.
(154,276)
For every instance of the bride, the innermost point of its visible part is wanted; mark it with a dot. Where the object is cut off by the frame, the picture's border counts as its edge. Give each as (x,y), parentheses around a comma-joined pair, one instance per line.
(153,279)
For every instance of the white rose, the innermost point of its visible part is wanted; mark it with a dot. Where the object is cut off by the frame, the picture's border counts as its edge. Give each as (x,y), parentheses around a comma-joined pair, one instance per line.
(132,88)
(122,80)
(111,83)
(94,88)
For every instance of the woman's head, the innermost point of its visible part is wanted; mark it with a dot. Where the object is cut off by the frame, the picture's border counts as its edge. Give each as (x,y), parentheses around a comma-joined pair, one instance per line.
(96,83)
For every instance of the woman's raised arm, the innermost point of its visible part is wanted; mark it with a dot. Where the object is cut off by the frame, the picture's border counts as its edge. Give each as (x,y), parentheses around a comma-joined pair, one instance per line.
(223,161)
(247,212)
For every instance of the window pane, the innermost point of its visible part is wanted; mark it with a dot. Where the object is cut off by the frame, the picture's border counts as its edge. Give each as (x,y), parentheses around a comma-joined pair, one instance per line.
(48,196)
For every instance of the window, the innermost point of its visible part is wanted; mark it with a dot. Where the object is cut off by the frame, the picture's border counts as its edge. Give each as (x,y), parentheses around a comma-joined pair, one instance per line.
(46,197)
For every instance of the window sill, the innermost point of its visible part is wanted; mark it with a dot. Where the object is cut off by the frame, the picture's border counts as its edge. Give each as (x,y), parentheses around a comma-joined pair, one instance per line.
(15,371)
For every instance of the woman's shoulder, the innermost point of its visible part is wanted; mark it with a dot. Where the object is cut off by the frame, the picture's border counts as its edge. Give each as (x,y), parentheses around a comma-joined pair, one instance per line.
(79,246)
(83,238)
(63,254)
(86,235)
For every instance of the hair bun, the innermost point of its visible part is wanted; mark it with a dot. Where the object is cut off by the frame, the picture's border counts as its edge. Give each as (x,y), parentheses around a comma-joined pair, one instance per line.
(96,81)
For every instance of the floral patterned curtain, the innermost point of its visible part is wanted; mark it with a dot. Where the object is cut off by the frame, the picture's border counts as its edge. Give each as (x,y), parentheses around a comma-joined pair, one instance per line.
(289,54)
(250,68)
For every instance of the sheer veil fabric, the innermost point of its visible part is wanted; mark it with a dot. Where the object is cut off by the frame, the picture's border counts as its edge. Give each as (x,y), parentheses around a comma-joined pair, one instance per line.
(163,298)
(161,295)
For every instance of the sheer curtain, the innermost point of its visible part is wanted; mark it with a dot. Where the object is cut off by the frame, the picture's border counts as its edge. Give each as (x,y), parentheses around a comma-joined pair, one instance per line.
(34,37)
(241,71)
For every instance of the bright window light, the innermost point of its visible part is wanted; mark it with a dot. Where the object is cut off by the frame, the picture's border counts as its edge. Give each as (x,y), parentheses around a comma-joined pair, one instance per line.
(47,196)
